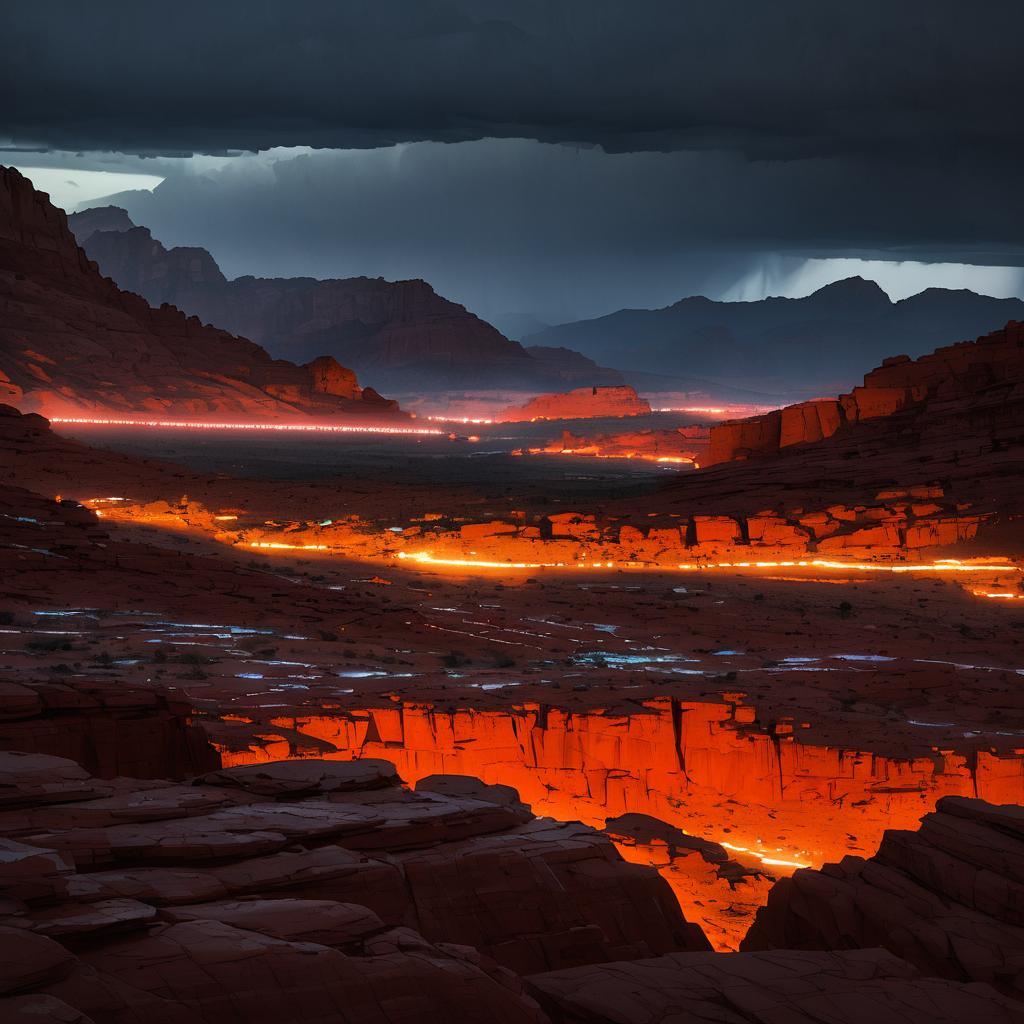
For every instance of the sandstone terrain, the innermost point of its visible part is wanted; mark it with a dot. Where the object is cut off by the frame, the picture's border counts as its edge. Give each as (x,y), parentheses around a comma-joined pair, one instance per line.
(596,692)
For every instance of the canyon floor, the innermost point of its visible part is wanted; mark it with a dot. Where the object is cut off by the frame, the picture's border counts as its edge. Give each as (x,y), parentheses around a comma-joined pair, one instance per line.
(764,717)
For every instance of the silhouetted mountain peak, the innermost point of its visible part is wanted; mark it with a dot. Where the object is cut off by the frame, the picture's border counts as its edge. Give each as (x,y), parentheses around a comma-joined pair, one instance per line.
(100,218)
(853,289)
(818,341)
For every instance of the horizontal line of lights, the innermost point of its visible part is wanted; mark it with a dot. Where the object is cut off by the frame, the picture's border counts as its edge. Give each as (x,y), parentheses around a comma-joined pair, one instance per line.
(288,547)
(311,428)
(585,454)
(457,419)
(950,565)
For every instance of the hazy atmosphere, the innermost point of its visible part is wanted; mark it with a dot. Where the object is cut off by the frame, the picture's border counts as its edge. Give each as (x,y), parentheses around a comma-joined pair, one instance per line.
(500,156)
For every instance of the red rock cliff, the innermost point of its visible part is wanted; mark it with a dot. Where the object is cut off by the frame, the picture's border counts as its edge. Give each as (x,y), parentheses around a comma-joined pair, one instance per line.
(947,897)
(73,343)
(708,768)
(926,386)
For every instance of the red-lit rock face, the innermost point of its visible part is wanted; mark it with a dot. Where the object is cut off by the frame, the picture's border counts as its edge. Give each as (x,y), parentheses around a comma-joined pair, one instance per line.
(767,799)
(581,403)
(73,343)
(936,389)
(946,897)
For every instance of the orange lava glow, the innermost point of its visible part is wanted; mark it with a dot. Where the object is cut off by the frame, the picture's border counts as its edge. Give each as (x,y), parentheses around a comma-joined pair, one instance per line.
(586,454)
(941,566)
(764,858)
(772,802)
(312,428)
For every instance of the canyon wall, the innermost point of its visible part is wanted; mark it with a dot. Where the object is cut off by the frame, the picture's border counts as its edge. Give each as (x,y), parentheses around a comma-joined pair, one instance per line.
(106,726)
(947,897)
(707,768)
(73,343)
(934,384)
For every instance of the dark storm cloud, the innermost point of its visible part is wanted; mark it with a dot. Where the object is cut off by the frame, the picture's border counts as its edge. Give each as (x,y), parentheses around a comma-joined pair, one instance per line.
(694,137)
(562,232)
(774,79)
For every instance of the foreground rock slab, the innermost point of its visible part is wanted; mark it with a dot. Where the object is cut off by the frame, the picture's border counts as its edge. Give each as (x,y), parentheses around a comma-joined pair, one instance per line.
(948,898)
(868,986)
(304,890)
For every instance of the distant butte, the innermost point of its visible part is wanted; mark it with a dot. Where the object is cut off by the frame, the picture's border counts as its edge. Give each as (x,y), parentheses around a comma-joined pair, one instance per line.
(580,403)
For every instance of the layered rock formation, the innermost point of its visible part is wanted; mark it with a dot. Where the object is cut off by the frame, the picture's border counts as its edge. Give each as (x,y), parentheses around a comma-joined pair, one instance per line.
(314,891)
(108,728)
(946,897)
(400,334)
(934,391)
(710,768)
(580,403)
(822,341)
(74,344)
(325,891)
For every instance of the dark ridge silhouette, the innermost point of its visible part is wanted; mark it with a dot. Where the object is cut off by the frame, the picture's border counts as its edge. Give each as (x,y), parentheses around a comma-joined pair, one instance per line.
(821,341)
(73,343)
(400,334)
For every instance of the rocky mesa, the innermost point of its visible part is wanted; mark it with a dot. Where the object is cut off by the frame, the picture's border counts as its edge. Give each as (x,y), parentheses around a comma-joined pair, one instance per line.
(580,403)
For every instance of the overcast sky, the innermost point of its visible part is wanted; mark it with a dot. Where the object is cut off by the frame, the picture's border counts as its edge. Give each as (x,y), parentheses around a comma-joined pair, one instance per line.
(556,158)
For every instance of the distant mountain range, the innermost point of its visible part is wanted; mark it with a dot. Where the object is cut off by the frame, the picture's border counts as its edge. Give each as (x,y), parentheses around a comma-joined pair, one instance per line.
(823,340)
(400,335)
(74,344)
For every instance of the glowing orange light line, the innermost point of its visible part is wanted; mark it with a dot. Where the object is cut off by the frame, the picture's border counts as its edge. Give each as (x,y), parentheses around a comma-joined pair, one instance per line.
(425,558)
(288,547)
(323,428)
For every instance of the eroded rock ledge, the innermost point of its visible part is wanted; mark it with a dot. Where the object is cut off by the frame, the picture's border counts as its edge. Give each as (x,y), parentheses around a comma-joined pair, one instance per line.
(311,891)
(948,898)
